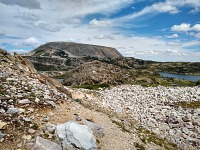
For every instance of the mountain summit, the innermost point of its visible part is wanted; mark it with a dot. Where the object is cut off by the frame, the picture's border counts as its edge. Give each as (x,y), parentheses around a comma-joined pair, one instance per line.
(69,49)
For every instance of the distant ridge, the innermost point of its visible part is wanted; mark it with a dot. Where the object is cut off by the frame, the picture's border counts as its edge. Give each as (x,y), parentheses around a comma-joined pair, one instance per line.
(70,49)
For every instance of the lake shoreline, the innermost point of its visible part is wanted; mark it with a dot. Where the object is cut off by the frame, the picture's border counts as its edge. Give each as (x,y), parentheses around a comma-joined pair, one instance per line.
(193,78)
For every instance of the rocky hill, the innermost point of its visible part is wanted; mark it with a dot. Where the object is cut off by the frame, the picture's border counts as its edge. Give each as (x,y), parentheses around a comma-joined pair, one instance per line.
(69,49)
(96,72)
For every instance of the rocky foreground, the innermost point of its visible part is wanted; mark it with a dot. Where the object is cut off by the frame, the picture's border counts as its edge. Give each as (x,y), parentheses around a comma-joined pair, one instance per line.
(158,109)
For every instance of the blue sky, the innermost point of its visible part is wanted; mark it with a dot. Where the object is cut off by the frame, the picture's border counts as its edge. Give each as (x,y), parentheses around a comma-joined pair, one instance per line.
(161,30)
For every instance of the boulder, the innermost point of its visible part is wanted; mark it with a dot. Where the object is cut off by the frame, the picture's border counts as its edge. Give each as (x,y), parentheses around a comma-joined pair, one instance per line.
(73,135)
(43,144)
(24,101)
(97,130)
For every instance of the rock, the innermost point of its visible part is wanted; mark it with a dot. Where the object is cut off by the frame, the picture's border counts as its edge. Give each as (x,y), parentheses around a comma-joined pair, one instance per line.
(21,110)
(51,103)
(2,125)
(152,122)
(73,135)
(26,119)
(2,110)
(26,137)
(12,111)
(50,128)
(24,101)
(164,127)
(31,131)
(97,130)
(37,100)
(43,144)
(2,135)
(45,118)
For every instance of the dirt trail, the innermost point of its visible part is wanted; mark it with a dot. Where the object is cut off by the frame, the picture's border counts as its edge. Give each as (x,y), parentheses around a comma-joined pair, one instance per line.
(114,138)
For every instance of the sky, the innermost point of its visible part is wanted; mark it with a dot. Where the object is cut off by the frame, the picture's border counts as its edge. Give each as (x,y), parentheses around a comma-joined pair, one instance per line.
(159,30)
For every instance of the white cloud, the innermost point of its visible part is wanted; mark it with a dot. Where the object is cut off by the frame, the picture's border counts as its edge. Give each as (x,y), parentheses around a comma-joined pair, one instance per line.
(184,27)
(196,27)
(191,30)
(168,6)
(164,7)
(173,36)
(98,23)
(32,41)
(197,35)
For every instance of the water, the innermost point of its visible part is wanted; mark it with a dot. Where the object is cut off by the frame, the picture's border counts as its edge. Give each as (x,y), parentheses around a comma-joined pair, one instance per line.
(181,76)
(59,80)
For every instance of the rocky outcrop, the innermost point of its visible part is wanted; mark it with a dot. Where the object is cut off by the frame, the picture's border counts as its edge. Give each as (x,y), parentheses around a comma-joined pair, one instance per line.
(96,73)
(69,49)
(73,135)
(23,91)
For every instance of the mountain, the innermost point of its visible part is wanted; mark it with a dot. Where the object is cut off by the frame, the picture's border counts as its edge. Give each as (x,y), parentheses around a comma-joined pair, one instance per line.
(69,49)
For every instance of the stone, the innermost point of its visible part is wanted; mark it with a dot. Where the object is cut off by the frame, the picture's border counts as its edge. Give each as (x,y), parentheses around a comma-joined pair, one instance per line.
(43,144)
(37,100)
(152,122)
(12,111)
(2,110)
(50,128)
(21,110)
(164,127)
(26,119)
(26,137)
(97,130)
(45,118)
(2,125)
(24,101)
(73,135)
(31,131)
(51,103)
(2,135)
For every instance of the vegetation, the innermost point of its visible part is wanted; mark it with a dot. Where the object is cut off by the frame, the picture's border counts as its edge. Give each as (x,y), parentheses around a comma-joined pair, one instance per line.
(93,86)
(184,104)
(147,137)
(139,147)
(198,82)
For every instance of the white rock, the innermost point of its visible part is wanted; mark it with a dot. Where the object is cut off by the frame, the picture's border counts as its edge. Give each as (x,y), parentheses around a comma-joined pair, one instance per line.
(72,134)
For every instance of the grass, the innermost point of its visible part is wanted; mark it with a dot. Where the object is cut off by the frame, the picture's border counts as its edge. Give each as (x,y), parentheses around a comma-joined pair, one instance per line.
(93,86)
(62,76)
(148,137)
(121,125)
(194,105)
